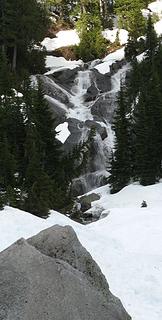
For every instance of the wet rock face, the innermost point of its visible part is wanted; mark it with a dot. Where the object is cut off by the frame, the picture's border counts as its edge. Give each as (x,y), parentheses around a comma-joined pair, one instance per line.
(52,277)
(102,81)
(66,76)
(53,90)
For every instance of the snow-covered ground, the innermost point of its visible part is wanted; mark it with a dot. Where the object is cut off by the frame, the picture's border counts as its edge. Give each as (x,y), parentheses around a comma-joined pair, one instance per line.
(126,244)
(60,63)
(111,35)
(104,67)
(63,38)
(156,7)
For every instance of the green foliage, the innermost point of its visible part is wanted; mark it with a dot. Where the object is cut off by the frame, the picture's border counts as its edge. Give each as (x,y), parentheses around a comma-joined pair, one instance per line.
(151,39)
(23,24)
(148,131)
(92,44)
(130,16)
(120,171)
(2,202)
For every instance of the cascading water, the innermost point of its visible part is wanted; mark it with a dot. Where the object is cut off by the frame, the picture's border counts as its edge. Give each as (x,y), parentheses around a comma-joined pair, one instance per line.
(82,114)
(81,110)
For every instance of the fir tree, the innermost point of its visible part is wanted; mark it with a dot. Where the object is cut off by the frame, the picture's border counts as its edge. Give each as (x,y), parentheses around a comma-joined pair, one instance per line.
(120,171)
(151,39)
(92,44)
(148,131)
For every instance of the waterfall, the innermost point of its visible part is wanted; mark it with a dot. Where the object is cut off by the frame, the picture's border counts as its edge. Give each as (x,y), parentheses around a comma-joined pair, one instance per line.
(84,109)
(81,110)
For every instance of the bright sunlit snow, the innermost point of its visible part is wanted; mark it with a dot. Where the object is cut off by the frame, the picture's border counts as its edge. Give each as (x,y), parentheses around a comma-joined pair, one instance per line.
(111,35)
(63,132)
(104,67)
(126,244)
(156,7)
(158,27)
(60,63)
(63,38)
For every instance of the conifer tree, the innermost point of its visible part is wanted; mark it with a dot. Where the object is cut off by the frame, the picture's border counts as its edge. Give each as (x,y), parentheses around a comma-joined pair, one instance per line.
(130,16)
(23,23)
(50,148)
(92,44)
(7,164)
(2,202)
(120,171)
(148,131)
(151,39)
(5,75)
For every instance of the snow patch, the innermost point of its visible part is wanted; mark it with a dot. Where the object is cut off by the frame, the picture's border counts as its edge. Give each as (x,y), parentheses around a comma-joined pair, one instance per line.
(63,38)
(104,67)
(156,7)
(60,63)
(111,35)
(62,132)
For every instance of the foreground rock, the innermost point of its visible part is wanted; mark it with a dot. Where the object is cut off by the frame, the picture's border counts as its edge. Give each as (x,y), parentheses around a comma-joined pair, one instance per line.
(52,277)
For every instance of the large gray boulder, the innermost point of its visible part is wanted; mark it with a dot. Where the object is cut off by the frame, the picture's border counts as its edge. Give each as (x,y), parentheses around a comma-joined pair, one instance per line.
(52,277)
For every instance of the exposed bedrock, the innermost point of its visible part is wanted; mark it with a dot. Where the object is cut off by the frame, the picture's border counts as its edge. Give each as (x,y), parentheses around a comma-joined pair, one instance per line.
(52,277)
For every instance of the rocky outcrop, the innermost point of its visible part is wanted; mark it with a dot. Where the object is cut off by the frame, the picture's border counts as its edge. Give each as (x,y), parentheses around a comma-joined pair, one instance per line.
(52,277)
(91,94)
(102,81)
(78,132)
(103,108)
(66,77)
(86,200)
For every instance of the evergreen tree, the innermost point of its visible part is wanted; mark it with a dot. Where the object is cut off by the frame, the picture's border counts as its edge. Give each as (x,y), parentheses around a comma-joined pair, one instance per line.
(148,132)
(2,202)
(130,16)
(11,197)
(50,148)
(151,39)
(23,23)
(92,44)
(120,171)
(40,196)
(5,75)
(7,164)
(131,49)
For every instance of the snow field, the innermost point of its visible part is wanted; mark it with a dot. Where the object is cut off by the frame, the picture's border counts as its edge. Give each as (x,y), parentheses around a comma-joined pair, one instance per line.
(126,244)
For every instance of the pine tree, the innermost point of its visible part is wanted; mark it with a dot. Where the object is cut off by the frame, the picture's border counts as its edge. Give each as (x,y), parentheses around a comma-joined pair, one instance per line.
(23,24)
(5,75)
(130,16)
(151,39)
(92,44)
(40,196)
(148,131)
(131,49)
(7,164)
(120,171)
(49,147)
(2,202)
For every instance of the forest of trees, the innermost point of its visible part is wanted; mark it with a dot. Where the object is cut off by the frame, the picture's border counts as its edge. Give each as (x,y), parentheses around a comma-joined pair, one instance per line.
(35,175)
(138,120)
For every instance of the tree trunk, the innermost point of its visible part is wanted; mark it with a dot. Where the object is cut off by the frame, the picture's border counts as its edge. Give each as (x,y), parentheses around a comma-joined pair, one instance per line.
(14,61)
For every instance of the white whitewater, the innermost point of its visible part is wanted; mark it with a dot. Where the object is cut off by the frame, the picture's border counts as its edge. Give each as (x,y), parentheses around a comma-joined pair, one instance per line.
(117,77)
(81,110)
